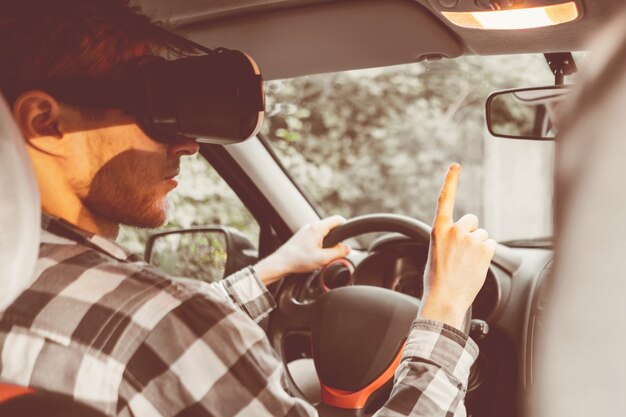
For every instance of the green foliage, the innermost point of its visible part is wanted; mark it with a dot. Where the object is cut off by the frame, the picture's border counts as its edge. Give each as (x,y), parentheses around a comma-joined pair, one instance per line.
(380,140)
(201,255)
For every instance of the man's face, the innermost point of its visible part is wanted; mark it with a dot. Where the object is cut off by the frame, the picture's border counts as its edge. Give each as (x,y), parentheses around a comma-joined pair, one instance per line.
(121,174)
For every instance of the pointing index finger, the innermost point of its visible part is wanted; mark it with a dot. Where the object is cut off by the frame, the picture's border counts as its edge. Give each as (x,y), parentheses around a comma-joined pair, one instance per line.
(445,203)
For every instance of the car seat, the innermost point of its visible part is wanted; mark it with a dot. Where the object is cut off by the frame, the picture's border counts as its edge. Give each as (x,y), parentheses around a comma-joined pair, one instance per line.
(581,362)
(20,212)
(20,219)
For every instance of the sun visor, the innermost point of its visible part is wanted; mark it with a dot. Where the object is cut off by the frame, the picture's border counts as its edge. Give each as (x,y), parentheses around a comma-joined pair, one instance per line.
(20,212)
(330,37)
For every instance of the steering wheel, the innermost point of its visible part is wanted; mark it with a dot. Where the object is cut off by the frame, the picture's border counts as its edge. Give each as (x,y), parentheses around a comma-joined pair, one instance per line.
(357,332)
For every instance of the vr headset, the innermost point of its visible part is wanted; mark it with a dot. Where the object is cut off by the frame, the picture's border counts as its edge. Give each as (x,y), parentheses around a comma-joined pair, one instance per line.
(216,98)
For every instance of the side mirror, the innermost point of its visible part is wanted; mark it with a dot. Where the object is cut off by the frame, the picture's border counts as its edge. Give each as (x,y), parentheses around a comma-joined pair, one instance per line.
(526,113)
(208,253)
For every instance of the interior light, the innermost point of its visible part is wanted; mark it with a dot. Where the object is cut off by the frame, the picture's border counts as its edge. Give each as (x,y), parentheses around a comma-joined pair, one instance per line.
(534,17)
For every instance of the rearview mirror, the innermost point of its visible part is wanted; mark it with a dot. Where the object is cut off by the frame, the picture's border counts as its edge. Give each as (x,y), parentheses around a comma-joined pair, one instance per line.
(526,113)
(208,253)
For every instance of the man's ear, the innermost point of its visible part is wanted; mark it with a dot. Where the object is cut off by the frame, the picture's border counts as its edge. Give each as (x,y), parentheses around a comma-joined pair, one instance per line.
(37,115)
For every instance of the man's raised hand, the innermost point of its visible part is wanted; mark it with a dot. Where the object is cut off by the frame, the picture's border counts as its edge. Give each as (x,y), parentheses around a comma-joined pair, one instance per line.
(458,259)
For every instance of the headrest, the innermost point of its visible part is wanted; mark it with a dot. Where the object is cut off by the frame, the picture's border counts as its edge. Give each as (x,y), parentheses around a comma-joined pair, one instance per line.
(20,211)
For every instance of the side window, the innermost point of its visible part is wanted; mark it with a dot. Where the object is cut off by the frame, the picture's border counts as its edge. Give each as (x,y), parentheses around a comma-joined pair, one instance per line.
(202,198)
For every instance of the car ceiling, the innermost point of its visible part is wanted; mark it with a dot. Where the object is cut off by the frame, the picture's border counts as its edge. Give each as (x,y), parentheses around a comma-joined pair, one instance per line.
(289,38)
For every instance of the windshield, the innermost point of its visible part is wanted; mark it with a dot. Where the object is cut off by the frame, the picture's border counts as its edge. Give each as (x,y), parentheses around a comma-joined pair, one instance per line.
(380,140)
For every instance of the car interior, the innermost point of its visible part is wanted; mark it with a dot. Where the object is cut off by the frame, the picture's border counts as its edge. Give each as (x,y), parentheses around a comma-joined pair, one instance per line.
(345,370)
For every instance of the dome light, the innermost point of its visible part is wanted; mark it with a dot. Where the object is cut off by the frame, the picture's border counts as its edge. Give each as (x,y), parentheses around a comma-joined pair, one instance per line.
(534,17)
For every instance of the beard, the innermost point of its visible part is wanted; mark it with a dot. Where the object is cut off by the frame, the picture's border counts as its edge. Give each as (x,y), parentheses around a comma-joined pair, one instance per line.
(137,210)
(129,190)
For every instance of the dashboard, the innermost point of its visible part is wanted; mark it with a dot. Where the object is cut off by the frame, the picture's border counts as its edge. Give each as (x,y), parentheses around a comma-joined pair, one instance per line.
(511,302)
(397,263)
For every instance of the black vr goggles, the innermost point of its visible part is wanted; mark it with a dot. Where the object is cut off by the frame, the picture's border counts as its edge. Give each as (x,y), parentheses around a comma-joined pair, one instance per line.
(215,98)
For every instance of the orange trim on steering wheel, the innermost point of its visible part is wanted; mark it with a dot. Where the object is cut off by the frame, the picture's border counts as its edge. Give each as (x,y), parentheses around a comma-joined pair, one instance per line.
(8,392)
(356,400)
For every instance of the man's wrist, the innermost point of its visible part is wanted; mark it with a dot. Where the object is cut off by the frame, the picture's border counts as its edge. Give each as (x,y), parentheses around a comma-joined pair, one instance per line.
(269,269)
(432,308)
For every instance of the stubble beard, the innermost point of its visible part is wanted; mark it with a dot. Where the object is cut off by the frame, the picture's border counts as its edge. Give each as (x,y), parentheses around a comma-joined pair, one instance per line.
(126,204)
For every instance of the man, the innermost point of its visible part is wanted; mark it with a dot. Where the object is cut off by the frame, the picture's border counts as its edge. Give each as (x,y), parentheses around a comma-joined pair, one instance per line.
(113,332)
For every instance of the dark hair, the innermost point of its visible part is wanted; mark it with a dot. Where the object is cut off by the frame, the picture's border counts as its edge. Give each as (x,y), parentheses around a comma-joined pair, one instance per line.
(51,39)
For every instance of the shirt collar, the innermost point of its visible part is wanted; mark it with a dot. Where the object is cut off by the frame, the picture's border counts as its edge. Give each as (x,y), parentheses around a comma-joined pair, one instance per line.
(62,228)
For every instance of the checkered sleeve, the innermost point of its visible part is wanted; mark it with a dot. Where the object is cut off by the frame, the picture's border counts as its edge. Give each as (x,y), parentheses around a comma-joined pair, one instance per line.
(249,293)
(206,358)
(243,290)
(432,377)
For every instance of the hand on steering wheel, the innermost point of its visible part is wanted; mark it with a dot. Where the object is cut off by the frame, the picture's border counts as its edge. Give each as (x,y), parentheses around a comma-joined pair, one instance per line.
(304,252)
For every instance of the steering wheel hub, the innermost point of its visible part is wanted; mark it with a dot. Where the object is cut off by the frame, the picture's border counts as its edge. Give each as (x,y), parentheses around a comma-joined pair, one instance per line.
(357,338)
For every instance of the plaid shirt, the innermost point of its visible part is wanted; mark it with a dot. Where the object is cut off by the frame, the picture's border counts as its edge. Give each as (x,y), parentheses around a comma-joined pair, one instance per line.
(104,327)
